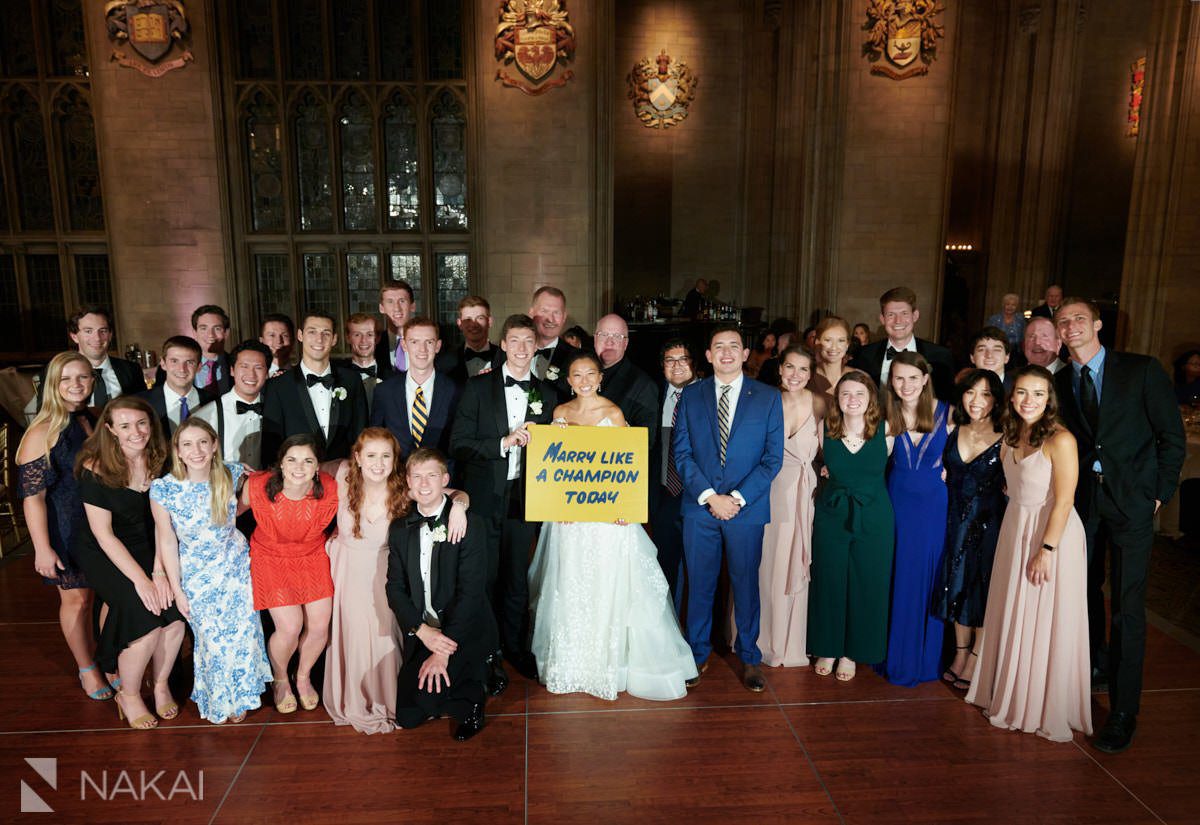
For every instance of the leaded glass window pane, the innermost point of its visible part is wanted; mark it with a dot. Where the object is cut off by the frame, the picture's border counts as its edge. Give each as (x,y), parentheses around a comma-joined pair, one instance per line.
(320,284)
(92,279)
(403,182)
(84,205)
(306,58)
(256,38)
(31,163)
(397,56)
(66,29)
(351,35)
(449,126)
(358,163)
(406,266)
(263,153)
(444,44)
(313,165)
(451,284)
(271,275)
(17,56)
(362,274)
(10,306)
(45,300)
(3,199)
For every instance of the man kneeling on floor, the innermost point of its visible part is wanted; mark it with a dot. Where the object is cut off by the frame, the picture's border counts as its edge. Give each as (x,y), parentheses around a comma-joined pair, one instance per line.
(436,589)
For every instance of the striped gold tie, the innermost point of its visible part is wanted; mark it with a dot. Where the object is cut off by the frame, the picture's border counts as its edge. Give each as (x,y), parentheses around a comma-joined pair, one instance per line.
(420,416)
(723,420)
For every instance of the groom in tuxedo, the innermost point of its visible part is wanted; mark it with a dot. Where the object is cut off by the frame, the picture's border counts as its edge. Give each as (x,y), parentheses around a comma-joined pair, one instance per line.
(899,315)
(1121,409)
(728,440)
(487,442)
(316,397)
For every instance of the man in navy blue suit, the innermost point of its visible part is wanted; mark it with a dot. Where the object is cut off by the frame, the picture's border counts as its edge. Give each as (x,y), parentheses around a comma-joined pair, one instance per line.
(417,405)
(728,442)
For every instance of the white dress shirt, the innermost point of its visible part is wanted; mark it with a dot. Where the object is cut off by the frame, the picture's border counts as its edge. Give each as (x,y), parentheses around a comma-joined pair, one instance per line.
(410,395)
(735,389)
(886,369)
(431,615)
(516,400)
(175,401)
(322,397)
(111,383)
(242,440)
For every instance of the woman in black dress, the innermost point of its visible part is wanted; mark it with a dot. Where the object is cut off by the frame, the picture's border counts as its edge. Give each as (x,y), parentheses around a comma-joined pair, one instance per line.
(975,482)
(115,548)
(46,477)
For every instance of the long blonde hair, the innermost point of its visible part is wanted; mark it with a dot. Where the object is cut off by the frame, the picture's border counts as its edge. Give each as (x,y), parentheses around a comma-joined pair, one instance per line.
(54,410)
(220,481)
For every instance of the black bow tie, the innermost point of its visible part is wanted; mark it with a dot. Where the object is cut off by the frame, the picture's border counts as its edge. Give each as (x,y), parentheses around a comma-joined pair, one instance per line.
(523,383)
(548,352)
(368,372)
(891,353)
(327,381)
(242,407)
(416,519)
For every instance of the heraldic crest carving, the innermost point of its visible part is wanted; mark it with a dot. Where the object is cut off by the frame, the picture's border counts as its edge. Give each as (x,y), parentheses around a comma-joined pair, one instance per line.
(152,28)
(534,35)
(902,31)
(661,90)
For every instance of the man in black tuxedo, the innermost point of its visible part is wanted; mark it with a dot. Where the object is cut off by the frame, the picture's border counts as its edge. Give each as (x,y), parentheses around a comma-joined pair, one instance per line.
(90,328)
(175,397)
(361,336)
(1121,409)
(477,353)
(396,304)
(487,440)
(237,414)
(1050,305)
(549,312)
(417,405)
(666,522)
(436,588)
(624,383)
(899,315)
(315,397)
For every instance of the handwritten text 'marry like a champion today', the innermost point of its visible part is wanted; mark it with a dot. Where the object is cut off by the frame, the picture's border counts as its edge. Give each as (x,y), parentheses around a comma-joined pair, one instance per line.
(555,454)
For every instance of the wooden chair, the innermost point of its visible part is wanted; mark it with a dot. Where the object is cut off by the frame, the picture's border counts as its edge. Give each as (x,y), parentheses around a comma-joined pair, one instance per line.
(7,508)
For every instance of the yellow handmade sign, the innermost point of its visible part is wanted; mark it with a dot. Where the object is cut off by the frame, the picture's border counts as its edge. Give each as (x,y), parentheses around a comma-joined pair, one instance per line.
(586,474)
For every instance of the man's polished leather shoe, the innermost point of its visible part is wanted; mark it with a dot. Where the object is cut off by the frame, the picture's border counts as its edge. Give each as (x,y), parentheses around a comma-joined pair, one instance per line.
(752,678)
(497,679)
(1099,680)
(470,726)
(1117,734)
(523,663)
(695,680)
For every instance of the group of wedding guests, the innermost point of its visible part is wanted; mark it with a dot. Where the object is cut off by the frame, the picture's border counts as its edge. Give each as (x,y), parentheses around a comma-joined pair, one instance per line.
(860,505)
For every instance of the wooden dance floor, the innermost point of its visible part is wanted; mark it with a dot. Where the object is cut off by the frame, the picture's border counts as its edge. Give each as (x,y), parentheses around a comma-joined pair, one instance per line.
(807,750)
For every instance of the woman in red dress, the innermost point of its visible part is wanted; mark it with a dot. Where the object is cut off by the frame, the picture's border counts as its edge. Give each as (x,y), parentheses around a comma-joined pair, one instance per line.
(294,505)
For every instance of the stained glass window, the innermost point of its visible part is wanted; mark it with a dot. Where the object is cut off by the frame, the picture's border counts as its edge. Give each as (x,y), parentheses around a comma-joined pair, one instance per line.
(362,278)
(313,164)
(274,284)
(17,56)
(263,154)
(452,284)
(444,43)
(351,39)
(3,201)
(66,28)
(256,38)
(398,58)
(320,284)
(449,127)
(403,184)
(406,266)
(306,58)
(10,306)
(31,162)
(358,163)
(45,300)
(92,280)
(84,205)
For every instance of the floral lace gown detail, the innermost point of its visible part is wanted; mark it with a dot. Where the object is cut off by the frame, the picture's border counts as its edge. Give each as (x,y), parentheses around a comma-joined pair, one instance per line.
(231,667)
(602,616)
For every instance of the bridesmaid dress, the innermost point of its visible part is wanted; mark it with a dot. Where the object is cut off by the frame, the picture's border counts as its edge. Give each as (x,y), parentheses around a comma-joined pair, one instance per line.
(1034,670)
(919,499)
(787,553)
(363,659)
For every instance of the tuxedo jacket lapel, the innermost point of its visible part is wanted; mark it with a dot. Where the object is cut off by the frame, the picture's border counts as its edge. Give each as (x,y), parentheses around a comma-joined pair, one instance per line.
(306,405)
(499,403)
(415,584)
(335,405)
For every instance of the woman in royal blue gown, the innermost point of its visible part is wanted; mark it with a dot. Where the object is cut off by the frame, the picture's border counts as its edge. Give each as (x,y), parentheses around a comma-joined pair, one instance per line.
(920,425)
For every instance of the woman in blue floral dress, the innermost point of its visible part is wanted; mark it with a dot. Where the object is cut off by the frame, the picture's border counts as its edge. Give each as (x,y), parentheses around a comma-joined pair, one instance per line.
(207,562)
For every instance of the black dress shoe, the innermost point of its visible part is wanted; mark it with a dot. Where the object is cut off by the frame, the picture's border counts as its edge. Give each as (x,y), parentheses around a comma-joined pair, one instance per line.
(523,663)
(1099,680)
(752,678)
(695,680)
(1117,734)
(497,679)
(470,726)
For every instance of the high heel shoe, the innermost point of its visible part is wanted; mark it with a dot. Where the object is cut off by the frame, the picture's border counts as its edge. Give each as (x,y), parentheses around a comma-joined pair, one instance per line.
(965,684)
(287,704)
(824,667)
(308,701)
(144,722)
(100,694)
(168,711)
(948,672)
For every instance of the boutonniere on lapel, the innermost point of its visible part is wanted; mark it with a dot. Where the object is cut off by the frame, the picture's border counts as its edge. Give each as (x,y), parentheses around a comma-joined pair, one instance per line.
(438,533)
(339,393)
(551,373)
(535,400)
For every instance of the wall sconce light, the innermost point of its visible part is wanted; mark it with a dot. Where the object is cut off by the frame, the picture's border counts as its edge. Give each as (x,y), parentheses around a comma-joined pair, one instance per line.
(960,247)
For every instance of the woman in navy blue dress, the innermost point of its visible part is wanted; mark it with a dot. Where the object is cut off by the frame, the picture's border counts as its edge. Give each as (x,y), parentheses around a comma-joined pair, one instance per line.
(920,425)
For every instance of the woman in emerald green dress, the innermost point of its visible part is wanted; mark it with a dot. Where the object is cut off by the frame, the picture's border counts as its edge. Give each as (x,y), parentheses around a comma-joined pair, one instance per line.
(853,534)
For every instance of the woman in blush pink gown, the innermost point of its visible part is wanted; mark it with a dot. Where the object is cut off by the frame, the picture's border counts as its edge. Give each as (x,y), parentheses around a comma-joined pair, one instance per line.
(1034,669)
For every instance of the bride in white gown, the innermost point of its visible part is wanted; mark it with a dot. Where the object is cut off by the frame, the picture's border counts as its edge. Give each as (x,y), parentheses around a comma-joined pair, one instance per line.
(602,617)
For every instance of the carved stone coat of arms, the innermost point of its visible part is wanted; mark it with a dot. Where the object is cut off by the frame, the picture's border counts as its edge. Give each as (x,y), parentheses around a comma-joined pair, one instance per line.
(903,36)
(661,90)
(535,36)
